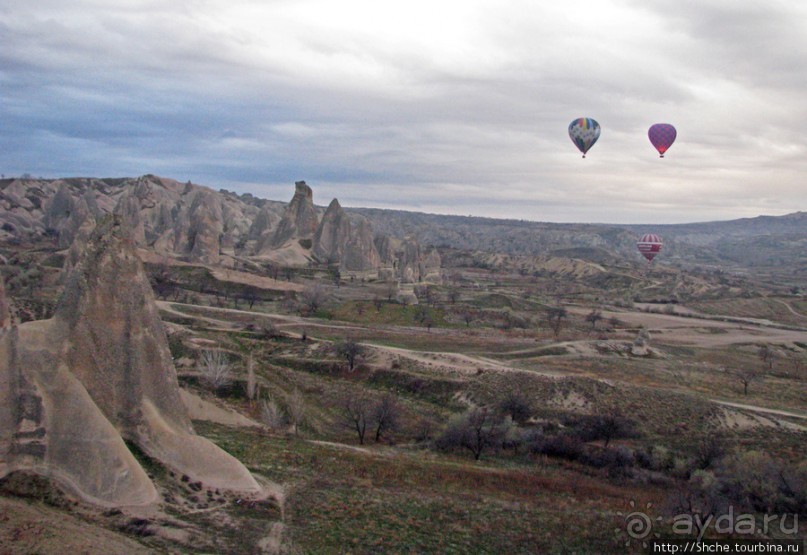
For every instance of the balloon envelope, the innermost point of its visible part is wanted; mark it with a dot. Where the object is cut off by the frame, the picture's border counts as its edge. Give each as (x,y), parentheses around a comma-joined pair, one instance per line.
(584,132)
(662,136)
(649,245)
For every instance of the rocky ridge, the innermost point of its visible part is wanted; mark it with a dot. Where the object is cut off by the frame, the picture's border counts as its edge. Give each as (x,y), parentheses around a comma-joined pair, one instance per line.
(194,223)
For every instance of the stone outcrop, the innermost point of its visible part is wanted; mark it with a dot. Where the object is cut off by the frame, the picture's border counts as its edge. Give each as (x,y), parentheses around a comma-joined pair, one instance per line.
(332,234)
(50,425)
(406,261)
(344,243)
(66,214)
(262,225)
(299,221)
(174,218)
(360,254)
(74,387)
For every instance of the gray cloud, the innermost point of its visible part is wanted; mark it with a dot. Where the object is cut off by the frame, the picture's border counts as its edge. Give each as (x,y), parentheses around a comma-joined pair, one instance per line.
(443,107)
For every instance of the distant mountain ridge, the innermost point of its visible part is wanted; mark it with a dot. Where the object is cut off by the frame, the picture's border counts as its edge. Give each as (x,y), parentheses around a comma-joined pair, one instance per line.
(747,241)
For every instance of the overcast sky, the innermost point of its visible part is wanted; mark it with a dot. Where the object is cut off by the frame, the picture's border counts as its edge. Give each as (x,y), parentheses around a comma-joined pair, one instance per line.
(457,107)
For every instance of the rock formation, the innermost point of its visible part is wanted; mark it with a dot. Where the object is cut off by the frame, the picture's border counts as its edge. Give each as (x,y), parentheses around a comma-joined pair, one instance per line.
(300,219)
(348,244)
(406,261)
(360,254)
(331,235)
(174,218)
(65,214)
(197,224)
(263,224)
(74,387)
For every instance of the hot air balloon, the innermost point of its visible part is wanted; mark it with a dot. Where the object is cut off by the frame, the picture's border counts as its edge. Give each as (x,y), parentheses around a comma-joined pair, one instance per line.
(649,245)
(584,132)
(662,135)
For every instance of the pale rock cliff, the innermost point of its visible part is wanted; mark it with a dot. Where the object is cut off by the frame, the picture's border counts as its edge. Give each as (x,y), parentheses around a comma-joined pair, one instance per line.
(360,254)
(74,387)
(406,261)
(332,234)
(299,221)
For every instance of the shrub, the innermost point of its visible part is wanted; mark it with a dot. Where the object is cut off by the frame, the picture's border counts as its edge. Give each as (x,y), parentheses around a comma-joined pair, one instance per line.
(215,368)
(477,430)
(563,446)
(516,406)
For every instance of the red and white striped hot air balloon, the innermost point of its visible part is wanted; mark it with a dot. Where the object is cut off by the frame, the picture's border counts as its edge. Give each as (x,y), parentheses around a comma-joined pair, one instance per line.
(649,245)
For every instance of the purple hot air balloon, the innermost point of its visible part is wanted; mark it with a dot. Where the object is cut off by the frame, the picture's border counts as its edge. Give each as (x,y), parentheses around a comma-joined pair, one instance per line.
(662,135)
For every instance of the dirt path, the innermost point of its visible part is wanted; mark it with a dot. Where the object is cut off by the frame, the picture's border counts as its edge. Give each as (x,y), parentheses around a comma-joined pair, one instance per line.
(706,333)
(451,363)
(167,307)
(791,309)
(755,408)
(225,325)
(341,446)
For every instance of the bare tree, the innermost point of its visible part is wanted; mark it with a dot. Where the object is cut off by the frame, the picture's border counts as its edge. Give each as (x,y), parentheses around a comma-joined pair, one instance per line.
(273,271)
(378,303)
(611,426)
(358,412)
(251,297)
(709,450)
(798,366)
(289,303)
(391,288)
(335,276)
(428,322)
(767,355)
(215,368)
(296,409)
(516,405)
(313,298)
(421,314)
(271,415)
(385,415)
(593,317)
(431,295)
(476,430)
(555,315)
(252,385)
(350,350)
(746,376)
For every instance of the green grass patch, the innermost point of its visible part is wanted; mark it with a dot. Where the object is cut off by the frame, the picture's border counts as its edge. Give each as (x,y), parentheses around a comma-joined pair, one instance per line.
(426,388)
(385,313)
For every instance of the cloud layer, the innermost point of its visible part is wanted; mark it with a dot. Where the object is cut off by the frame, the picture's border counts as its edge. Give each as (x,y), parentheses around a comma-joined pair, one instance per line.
(451,107)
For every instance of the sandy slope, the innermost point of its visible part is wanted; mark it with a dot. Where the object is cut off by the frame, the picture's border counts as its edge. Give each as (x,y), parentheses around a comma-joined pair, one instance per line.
(32,527)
